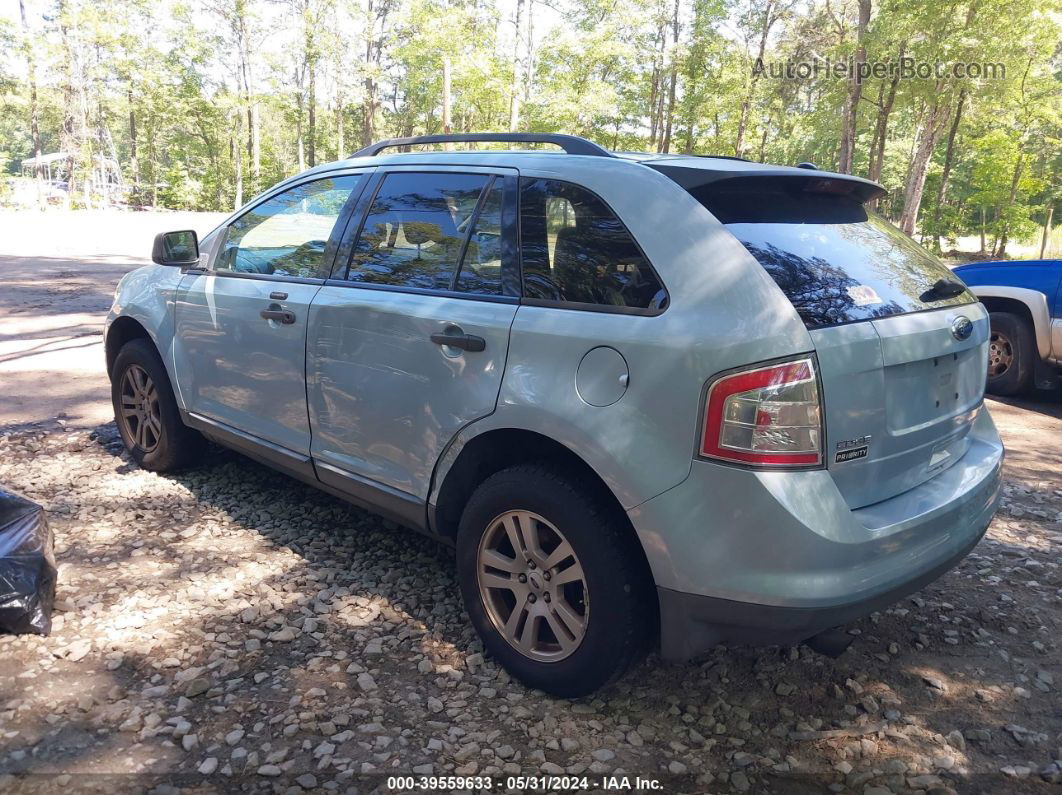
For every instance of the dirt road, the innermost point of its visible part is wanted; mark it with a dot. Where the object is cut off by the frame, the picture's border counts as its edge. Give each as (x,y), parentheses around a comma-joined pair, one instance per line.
(230,629)
(58,271)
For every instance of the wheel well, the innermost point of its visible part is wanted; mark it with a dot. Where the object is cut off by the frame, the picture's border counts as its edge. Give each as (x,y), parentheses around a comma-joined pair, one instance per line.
(1015,307)
(499,449)
(122,330)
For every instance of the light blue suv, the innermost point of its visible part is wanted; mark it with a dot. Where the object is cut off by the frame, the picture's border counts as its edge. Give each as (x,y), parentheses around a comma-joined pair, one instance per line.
(692,399)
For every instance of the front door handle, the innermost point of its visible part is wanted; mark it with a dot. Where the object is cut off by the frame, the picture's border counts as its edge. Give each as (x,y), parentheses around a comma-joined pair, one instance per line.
(280,315)
(466,342)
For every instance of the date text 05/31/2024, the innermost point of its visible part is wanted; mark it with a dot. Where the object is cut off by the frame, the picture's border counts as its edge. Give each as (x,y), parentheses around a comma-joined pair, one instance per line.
(521,783)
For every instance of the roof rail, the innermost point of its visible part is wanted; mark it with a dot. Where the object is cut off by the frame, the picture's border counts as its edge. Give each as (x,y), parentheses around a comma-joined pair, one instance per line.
(571,144)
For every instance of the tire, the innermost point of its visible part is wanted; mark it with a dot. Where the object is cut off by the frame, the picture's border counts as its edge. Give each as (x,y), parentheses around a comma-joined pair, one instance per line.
(614,599)
(1011,355)
(162,443)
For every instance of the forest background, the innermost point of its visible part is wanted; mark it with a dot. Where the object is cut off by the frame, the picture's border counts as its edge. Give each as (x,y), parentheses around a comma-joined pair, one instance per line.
(955,106)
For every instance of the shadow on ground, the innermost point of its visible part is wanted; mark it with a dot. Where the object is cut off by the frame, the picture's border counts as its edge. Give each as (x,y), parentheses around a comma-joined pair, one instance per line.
(362,597)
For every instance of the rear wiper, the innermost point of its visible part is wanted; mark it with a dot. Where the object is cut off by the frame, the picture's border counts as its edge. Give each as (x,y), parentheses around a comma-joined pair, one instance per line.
(943,288)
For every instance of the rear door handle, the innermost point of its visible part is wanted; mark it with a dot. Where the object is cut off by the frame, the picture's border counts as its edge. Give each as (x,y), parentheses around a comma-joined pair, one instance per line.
(467,342)
(280,315)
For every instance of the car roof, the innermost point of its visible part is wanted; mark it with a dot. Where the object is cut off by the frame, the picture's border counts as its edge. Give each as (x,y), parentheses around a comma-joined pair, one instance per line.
(582,158)
(684,168)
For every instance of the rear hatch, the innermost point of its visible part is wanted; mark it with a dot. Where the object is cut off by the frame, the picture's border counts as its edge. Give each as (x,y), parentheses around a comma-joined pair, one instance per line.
(901,364)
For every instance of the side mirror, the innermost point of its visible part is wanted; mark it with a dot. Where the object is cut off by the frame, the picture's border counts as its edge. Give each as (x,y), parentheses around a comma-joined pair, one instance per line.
(179,249)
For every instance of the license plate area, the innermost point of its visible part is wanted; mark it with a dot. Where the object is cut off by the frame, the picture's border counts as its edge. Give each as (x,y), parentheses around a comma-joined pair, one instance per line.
(923,392)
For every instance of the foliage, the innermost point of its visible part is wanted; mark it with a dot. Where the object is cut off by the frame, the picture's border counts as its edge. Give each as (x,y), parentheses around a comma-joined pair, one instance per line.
(203,103)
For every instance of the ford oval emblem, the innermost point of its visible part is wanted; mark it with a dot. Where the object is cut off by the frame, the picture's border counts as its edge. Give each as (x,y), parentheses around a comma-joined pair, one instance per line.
(961,328)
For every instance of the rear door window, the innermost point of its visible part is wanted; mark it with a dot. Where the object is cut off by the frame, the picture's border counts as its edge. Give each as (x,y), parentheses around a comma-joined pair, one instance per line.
(835,260)
(575,250)
(416,228)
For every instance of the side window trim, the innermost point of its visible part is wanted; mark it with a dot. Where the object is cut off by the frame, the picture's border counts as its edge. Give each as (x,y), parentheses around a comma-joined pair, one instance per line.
(577,306)
(355,223)
(331,247)
(472,221)
(513,276)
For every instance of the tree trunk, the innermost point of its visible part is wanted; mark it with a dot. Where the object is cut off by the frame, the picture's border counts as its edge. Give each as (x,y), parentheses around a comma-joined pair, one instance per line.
(850,112)
(746,104)
(877,157)
(666,144)
(243,48)
(256,146)
(300,141)
(655,87)
(368,112)
(1018,168)
(982,249)
(1047,231)
(529,50)
(949,153)
(134,161)
(311,116)
(341,144)
(368,109)
(152,157)
(514,91)
(447,124)
(68,137)
(31,69)
(916,173)
(237,157)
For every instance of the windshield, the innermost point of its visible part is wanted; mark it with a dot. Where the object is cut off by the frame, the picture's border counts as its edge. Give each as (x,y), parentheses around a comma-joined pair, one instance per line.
(836,261)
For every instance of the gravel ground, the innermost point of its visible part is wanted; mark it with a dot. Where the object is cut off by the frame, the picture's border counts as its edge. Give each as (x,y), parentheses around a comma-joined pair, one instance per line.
(232,629)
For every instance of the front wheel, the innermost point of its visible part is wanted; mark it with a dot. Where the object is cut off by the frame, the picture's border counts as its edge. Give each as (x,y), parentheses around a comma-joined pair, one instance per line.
(553,581)
(146,412)
(1011,349)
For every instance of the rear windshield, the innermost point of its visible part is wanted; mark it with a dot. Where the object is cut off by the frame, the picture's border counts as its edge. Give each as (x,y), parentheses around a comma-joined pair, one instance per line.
(836,261)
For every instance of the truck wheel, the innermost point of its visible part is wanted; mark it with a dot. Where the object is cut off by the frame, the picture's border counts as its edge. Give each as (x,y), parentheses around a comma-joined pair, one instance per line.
(1011,349)
(146,413)
(554,583)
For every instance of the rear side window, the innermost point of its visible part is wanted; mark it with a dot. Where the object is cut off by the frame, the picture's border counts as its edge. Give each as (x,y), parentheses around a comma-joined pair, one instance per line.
(416,228)
(574,249)
(835,260)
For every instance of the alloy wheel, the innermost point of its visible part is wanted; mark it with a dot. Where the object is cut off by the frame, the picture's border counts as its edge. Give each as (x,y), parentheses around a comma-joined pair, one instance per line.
(140,408)
(1000,354)
(533,586)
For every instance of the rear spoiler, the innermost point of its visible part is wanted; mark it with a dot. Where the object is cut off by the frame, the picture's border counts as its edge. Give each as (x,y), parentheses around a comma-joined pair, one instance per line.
(778,178)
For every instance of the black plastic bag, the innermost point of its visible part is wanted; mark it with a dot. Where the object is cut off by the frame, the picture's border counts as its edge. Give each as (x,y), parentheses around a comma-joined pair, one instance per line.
(27,567)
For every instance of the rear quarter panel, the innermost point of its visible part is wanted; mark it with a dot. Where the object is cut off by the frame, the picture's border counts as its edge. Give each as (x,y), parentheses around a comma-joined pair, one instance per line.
(724,312)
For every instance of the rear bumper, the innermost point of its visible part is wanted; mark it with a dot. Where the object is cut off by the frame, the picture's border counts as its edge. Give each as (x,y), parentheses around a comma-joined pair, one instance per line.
(776,557)
(692,624)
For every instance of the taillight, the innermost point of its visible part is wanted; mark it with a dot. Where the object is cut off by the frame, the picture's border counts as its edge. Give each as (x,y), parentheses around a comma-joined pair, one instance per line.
(770,416)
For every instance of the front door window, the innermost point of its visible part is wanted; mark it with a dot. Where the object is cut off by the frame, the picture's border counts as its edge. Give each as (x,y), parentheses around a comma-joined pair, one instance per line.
(287,234)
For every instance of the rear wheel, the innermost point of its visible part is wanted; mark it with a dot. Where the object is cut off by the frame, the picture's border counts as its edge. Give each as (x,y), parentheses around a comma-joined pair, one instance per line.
(146,412)
(1011,352)
(554,583)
